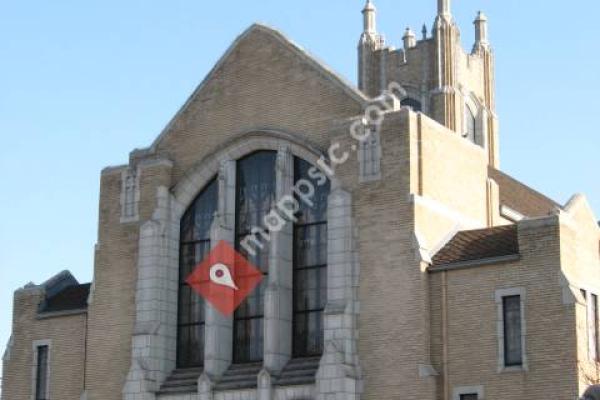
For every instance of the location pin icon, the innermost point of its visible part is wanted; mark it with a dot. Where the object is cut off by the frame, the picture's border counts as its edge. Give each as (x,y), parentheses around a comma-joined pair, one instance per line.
(220,275)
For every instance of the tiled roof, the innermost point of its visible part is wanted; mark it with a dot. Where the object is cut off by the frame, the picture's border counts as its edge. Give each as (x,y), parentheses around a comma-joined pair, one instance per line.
(521,197)
(70,298)
(479,245)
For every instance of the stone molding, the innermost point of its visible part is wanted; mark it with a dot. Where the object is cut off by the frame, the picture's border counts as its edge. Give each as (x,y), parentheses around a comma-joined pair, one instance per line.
(154,341)
(130,195)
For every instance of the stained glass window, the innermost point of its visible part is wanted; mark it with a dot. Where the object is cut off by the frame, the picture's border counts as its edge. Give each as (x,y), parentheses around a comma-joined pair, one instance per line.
(310,268)
(195,244)
(255,196)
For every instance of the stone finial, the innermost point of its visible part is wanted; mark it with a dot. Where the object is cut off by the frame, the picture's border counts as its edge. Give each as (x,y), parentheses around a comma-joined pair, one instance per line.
(370,17)
(409,38)
(424,31)
(481,29)
(369,6)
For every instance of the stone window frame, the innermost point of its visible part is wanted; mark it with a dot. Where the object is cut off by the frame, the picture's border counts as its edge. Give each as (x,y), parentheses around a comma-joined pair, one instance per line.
(153,341)
(462,390)
(499,298)
(35,345)
(472,103)
(130,198)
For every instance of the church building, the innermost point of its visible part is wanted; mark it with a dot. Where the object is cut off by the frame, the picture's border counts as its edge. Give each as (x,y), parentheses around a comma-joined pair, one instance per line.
(410,268)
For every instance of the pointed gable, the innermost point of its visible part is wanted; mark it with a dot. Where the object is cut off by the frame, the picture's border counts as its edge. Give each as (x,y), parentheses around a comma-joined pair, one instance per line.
(263,81)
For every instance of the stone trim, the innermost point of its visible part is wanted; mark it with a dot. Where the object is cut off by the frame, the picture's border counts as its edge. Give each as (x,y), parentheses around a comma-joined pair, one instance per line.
(511,214)
(35,344)
(218,342)
(500,294)
(278,295)
(460,390)
(154,340)
(130,195)
(243,144)
(339,375)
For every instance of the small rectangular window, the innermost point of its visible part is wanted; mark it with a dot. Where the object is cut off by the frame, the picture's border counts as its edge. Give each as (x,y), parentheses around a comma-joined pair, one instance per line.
(470,396)
(513,349)
(41,383)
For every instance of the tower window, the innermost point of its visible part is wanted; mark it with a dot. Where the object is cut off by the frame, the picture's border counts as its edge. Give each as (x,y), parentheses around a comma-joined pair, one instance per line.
(412,103)
(471,127)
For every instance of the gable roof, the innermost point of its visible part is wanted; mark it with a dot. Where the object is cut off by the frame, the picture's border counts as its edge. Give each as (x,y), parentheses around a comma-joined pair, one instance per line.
(480,244)
(68,299)
(324,70)
(520,197)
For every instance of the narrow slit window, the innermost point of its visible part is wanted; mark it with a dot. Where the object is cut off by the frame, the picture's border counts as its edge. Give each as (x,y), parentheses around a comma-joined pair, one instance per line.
(41,382)
(513,348)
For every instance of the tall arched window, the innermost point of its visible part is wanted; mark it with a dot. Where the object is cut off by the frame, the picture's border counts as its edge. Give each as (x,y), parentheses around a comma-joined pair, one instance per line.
(471,126)
(412,103)
(255,196)
(310,268)
(195,244)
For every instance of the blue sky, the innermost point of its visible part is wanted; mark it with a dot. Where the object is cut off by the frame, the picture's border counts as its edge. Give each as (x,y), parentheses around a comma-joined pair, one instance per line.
(83,83)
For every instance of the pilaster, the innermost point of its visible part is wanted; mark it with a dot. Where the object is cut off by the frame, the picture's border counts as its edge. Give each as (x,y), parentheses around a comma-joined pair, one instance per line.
(219,328)
(339,376)
(154,336)
(278,296)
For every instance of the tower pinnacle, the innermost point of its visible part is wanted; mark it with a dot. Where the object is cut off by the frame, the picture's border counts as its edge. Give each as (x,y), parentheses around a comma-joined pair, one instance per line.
(370,17)
(444,7)
(481,30)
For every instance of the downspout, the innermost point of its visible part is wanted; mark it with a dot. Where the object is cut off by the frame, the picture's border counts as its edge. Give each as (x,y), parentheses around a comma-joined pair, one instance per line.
(445,335)
(85,349)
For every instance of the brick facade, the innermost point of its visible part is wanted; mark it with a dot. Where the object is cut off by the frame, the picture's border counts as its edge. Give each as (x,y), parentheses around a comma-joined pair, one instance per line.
(398,324)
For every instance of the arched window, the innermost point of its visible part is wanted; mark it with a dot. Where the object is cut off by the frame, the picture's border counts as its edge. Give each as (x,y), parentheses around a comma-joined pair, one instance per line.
(195,244)
(412,103)
(471,126)
(310,268)
(255,196)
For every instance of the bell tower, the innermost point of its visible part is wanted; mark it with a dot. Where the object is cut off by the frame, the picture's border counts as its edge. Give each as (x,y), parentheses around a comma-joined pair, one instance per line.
(441,79)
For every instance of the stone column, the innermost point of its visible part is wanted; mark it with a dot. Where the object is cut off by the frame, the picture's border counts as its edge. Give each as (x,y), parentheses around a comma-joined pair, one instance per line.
(339,374)
(154,337)
(278,295)
(219,328)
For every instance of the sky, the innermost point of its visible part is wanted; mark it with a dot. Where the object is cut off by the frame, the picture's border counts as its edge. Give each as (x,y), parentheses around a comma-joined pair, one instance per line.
(82,83)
